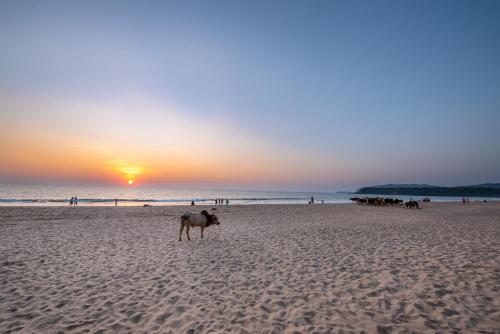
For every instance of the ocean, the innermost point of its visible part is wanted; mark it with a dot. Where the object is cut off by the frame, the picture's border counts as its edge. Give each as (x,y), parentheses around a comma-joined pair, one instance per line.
(59,195)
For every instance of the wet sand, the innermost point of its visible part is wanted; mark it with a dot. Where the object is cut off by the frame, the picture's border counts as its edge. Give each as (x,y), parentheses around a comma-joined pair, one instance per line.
(265,269)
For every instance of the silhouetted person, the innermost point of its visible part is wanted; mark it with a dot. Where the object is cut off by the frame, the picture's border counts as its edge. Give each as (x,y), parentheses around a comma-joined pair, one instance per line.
(116,201)
(75,201)
(192,202)
(227,201)
(71,201)
(463,200)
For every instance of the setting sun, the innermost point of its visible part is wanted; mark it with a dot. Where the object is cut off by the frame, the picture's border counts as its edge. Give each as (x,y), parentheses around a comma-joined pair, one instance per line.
(125,171)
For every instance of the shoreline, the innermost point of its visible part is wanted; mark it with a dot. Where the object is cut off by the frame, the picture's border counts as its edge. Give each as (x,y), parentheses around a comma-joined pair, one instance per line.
(181,204)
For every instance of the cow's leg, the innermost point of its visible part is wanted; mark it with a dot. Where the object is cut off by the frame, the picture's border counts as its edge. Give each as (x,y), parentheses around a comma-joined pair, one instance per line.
(180,232)
(187,231)
(202,228)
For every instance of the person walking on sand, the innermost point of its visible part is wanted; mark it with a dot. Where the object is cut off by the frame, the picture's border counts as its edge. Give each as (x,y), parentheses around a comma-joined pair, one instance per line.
(116,201)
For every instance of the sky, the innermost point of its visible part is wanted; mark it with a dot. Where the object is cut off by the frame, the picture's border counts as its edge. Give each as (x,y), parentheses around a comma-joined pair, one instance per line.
(297,95)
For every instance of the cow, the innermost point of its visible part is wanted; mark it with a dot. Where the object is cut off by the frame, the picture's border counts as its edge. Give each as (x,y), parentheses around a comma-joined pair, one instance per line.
(376,201)
(388,201)
(392,201)
(411,204)
(202,219)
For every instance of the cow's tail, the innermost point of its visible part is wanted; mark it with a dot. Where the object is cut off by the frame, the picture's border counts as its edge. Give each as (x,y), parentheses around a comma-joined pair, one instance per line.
(184,217)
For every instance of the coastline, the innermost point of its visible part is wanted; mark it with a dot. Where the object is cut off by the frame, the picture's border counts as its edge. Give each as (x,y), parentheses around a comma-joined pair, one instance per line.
(30,195)
(209,204)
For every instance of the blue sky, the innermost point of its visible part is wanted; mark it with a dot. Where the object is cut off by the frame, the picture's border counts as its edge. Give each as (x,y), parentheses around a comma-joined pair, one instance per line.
(358,92)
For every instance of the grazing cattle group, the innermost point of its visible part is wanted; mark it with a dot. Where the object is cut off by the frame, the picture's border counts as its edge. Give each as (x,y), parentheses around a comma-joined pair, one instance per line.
(380,201)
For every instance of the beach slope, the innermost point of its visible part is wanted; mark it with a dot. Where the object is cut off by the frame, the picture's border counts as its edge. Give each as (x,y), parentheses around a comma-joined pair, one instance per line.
(265,269)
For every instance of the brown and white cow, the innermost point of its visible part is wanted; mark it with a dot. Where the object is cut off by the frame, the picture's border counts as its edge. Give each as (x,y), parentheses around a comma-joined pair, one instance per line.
(202,219)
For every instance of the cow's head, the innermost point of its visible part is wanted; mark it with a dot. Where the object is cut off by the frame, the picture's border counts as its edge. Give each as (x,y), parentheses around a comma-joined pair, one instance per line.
(211,219)
(215,220)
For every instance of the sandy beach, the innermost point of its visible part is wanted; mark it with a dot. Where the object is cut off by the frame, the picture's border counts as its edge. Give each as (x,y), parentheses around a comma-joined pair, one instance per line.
(265,269)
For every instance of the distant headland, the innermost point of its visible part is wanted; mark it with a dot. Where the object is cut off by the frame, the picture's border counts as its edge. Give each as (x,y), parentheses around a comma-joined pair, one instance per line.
(479,190)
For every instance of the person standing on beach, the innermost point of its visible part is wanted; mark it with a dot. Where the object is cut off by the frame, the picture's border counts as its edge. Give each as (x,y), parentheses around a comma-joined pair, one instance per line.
(75,201)
(227,202)
(71,201)
(116,201)
(192,202)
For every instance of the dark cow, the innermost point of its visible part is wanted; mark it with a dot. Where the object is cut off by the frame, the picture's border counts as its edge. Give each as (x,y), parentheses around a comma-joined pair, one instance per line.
(412,204)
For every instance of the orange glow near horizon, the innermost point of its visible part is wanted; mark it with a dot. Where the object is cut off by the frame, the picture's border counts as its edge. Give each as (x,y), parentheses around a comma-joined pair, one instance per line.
(48,149)
(49,157)
(128,172)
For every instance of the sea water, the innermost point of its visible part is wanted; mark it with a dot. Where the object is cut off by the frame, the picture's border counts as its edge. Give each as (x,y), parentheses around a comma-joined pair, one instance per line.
(58,195)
